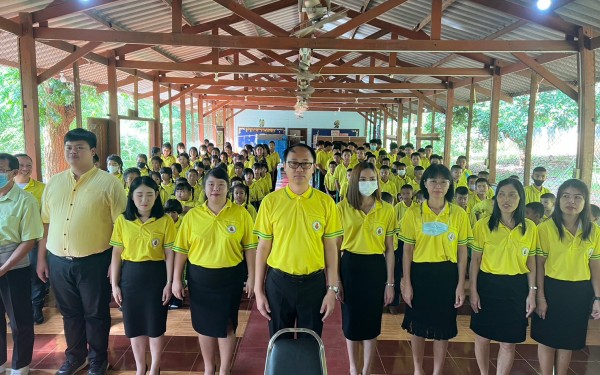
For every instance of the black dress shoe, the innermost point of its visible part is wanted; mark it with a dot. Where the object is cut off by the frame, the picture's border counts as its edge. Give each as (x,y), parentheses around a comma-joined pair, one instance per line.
(38,315)
(71,368)
(98,368)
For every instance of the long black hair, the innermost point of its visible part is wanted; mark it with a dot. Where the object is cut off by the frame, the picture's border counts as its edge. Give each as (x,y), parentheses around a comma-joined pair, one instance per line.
(131,212)
(585,216)
(518,214)
(438,171)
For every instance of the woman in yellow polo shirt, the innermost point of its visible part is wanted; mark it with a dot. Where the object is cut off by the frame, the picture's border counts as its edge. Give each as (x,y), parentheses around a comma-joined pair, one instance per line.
(435,234)
(367,276)
(503,284)
(568,258)
(142,270)
(215,237)
(114,166)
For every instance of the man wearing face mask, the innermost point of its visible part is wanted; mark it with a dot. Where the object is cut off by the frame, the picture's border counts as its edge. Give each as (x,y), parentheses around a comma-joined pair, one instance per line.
(142,164)
(374,147)
(534,192)
(20,228)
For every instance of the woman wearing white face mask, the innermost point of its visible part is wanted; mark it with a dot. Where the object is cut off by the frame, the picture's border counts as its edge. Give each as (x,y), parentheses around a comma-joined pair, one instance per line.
(367,276)
(114,166)
(435,235)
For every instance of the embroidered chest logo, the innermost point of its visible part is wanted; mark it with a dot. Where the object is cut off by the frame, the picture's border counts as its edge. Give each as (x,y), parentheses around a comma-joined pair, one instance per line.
(231,229)
(379,231)
(525,251)
(317,226)
(451,236)
(155,242)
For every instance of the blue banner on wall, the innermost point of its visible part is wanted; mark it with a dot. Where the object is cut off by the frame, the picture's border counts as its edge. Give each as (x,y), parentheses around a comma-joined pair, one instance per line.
(334,132)
(250,136)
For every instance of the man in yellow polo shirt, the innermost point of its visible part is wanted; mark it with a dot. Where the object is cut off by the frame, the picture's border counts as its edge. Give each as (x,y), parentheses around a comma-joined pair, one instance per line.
(297,228)
(39,290)
(534,192)
(79,207)
(20,228)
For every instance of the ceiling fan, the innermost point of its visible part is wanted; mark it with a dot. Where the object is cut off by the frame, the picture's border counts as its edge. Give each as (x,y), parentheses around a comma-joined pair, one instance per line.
(318,16)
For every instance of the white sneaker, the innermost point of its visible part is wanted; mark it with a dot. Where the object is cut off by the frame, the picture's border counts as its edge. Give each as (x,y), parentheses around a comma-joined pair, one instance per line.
(21,371)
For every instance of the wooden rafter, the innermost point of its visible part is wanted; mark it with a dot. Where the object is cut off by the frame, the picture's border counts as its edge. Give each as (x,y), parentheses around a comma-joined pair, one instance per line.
(288,43)
(184,15)
(10,26)
(62,8)
(427,19)
(429,101)
(67,61)
(253,17)
(436,19)
(181,93)
(547,75)
(124,82)
(488,93)
(317,94)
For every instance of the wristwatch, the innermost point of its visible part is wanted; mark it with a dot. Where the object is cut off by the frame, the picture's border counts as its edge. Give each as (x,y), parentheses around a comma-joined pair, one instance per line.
(335,288)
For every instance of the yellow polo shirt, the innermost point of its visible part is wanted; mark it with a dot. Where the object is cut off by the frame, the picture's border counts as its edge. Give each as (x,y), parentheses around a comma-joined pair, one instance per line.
(143,241)
(389,187)
(400,181)
(365,233)
(215,241)
(251,210)
(199,193)
(330,182)
(36,189)
(191,203)
(483,208)
(322,157)
(344,189)
(401,209)
(274,160)
(168,161)
(504,251)
(170,187)
(297,225)
(534,195)
(81,213)
(20,219)
(567,259)
(440,248)
(144,172)
(164,195)
(341,172)
(256,192)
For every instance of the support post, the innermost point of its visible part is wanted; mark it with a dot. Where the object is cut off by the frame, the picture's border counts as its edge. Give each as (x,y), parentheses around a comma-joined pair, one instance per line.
(419,122)
(409,120)
(77,94)
(433,117)
(182,113)
(170,117)
(533,90)
(385,127)
(29,95)
(400,124)
(200,119)
(470,122)
(156,132)
(587,109)
(448,131)
(136,93)
(494,115)
(114,136)
(192,118)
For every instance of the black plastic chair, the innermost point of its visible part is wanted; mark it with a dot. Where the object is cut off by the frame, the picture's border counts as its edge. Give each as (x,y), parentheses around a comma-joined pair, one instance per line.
(302,356)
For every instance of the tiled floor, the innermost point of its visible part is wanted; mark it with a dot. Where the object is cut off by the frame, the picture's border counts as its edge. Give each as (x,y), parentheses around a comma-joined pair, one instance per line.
(181,353)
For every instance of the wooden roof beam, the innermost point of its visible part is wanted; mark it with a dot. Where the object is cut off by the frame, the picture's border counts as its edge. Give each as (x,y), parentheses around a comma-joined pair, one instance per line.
(11,26)
(570,91)
(124,82)
(184,14)
(431,102)
(338,55)
(427,19)
(488,93)
(317,94)
(362,18)
(289,43)
(436,19)
(67,61)
(178,95)
(252,17)
(547,19)
(62,8)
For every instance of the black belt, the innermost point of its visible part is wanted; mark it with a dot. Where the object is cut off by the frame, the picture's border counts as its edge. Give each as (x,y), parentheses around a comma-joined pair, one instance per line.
(296,277)
(79,259)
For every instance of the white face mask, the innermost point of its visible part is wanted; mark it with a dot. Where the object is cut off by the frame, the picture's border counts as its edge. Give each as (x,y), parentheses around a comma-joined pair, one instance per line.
(113,168)
(401,172)
(366,188)
(473,187)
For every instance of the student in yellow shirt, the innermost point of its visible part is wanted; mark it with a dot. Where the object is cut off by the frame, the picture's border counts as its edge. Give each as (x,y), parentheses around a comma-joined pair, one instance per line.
(330,182)
(23,179)
(405,201)
(240,195)
(266,177)
(192,177)
(340,171)
(548,200)
(185,195)
(163,194)
(260,155)
(367,275)
(176,171)
(535,191)
(461,197)
(344,187)
(215,238)
(360,154)
(174,209)
(435,234)
(387,185)
(167,155)
(260,181)
(457,176)
(180,148)
(194,155)
(415,161)
(399,175)
(114,166)
(393,154)
(472,185)
(503,277)
(166,175)
(142,270)
(424,160)
(436,159)
(142,164)
(418,175)
(156,163)
(256,192)
(184,161)
(129,175)
(534,211)
(409,149)
(479,205)
(462,162)
(297,228)
(595,214)
(275,159)
(568,259)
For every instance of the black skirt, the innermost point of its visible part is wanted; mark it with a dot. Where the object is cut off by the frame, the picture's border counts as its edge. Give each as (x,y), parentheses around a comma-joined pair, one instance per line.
(569,308)
(215,295)
(432,315)
(142,285)
(363,279)
(502,316)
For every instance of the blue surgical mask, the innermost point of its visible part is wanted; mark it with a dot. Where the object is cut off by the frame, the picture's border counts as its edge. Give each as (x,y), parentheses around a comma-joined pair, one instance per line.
(373,147)
(366,188)
(434,228)
(4,180)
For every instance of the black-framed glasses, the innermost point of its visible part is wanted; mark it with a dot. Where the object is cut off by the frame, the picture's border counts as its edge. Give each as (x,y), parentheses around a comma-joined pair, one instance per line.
(295,164)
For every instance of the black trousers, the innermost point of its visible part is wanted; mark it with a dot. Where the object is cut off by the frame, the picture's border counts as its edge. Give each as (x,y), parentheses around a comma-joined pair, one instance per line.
(39,289)
(295,301)
(15,292)
(83,293)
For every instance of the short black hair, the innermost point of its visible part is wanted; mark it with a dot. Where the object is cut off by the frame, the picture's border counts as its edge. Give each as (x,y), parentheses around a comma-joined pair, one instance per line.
(131,170)
(185,155)
(13,162)
(23,156)
(548,196)
(407,187)
(155,150)
(177,166)
(539,169)
(116,158)
(595,210)
(143,156)
(481,179)
(287,151)
(217,173)
(184,186)
(131,212)
(166,170)
(537,207)
(173,205)
(248,171)
(79,134)
(156,158)
(461,190)
(167,145)
(387,197)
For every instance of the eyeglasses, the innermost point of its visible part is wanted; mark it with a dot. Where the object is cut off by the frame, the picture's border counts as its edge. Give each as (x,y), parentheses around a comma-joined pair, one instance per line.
(295,164)
(438,182)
